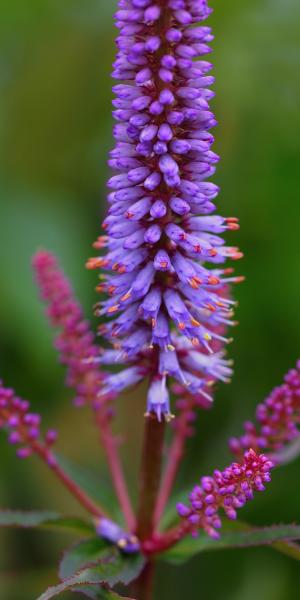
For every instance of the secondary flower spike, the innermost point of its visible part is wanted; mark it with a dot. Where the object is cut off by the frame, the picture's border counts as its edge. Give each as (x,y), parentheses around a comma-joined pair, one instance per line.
(75,342)
(228,490)
(278,419)
(23,426)
(164,255)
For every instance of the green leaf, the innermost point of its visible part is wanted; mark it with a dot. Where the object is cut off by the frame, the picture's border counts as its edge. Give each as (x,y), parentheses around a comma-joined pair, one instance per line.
(82,554)
(113,568)
(97,489)
(102,594)
(71,524)
(236,535)
(291,549)
(43,519)
(16,518)
(111,595)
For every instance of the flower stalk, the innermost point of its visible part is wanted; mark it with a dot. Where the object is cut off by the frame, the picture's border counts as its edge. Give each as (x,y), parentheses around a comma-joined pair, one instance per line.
(110,445)
(150,474)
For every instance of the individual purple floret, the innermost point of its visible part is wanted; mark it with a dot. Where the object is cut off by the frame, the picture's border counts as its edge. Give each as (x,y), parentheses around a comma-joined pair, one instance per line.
(164,254)
(128,543)
(278,419)
(228,490)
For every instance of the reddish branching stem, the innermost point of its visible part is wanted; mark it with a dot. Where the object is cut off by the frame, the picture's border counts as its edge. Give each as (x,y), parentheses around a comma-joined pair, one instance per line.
(110,444)
(78,352)
(49,459)
(161,543)
(175,455)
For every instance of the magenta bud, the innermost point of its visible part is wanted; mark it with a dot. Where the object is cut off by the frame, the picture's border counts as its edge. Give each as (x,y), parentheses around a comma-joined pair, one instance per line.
(51,437)
(24,452)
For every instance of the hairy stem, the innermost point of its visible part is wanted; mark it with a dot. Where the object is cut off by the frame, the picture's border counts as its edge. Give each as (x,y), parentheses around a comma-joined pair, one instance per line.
(110,445)
(150,474)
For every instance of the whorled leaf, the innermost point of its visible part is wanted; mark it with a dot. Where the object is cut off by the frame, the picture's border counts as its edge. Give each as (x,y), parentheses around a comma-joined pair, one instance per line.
(18,518)
(111,569)
(82,554)
(102,594)
(43,519)
(237,535)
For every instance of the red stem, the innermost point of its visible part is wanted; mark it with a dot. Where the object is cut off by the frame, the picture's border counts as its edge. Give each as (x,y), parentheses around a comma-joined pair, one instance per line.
(161,543)
(175,455)
(117,475)
(142,588)
(150,475)
(49,459)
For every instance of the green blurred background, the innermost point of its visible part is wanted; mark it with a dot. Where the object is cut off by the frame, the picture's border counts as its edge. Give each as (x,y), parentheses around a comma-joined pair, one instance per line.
(55,134)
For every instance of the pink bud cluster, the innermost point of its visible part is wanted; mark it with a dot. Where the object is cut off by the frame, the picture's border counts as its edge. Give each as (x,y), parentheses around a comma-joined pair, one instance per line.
(23,426)
(278,419)
(228,490)
(75,341)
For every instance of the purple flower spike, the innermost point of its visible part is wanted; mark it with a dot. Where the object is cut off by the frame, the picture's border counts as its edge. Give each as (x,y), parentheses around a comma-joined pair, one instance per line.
(161,238)
(228,490)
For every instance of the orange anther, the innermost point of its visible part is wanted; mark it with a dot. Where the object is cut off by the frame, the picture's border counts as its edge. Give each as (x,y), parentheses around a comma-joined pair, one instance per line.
(212,280)
(181,325)
(236,255)
(113,309)
(94,263)
(100,242)
(233,226)
(211,307)
(126,296)
(195,323)
(193,283)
